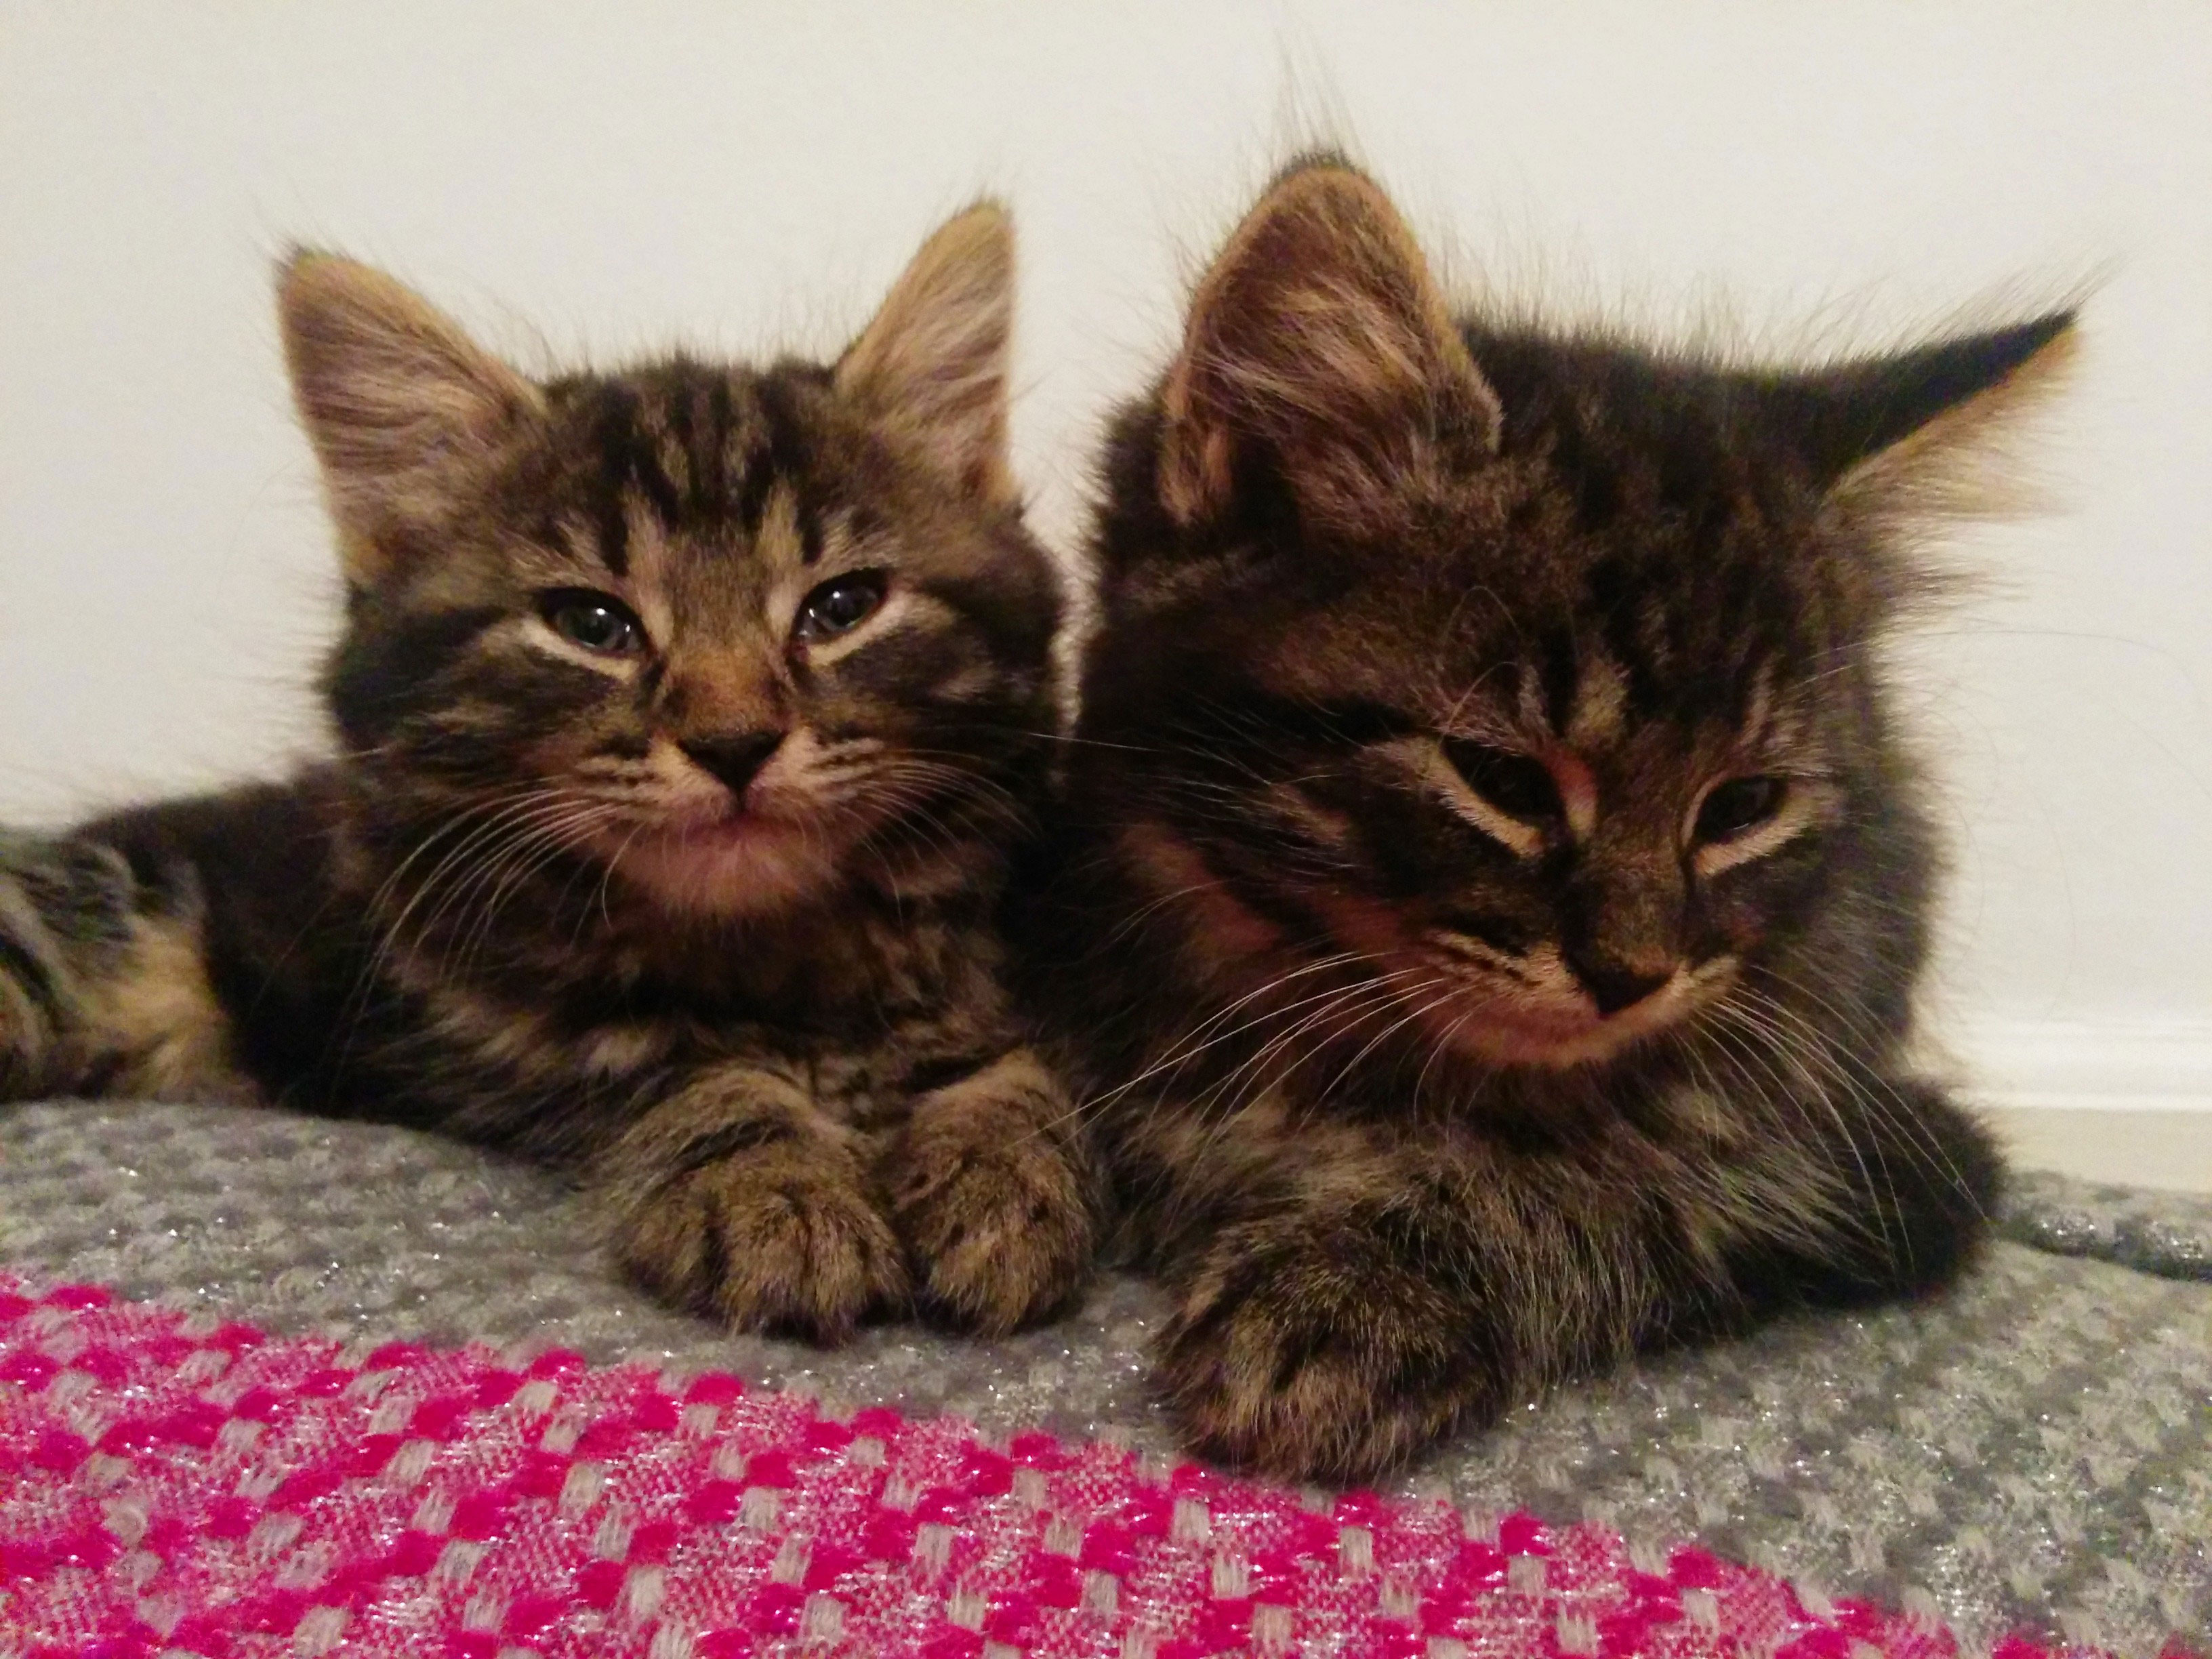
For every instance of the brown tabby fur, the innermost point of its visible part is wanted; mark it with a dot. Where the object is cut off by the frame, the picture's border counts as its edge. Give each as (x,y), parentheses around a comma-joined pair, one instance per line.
(1444,1036)
(708,915)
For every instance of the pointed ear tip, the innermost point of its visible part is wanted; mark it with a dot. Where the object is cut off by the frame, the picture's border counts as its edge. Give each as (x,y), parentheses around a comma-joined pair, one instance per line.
(303,258)
(308,277)
(1318,158)
(986,213)
(2058,329)
(1325,176)
(2045,347)
(983,230)
(2055,327)
(299,264)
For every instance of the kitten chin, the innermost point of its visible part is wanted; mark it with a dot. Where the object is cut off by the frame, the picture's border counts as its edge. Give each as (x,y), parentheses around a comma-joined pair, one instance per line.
(731,867)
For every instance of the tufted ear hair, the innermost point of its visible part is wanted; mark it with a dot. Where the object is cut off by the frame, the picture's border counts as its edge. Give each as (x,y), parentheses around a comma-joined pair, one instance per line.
(933,363)
(1903,429)
(1320,341)
(405,412)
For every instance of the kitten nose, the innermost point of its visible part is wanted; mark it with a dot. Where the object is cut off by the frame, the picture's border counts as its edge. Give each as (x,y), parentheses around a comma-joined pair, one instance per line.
(735,761)
(1614,986)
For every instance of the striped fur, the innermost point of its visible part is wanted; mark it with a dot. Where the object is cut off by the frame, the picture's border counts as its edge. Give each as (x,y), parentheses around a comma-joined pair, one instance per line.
(684,716)
(1492,884)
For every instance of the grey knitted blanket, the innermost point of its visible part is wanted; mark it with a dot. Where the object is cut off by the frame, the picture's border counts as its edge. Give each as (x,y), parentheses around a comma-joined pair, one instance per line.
(2034,1454)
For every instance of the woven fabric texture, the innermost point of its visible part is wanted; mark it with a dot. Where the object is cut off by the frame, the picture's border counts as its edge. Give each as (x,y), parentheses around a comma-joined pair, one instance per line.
(2165,1233)
(178,1485)
(2035,1454)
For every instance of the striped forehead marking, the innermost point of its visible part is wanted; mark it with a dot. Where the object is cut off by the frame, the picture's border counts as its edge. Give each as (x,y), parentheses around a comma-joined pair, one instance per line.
(695,448)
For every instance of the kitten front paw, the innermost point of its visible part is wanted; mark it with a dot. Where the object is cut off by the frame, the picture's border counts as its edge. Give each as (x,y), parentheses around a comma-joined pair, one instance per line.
(1001,1233)
(779,1241)
(22,1041)
(1305,1349)
(34,981)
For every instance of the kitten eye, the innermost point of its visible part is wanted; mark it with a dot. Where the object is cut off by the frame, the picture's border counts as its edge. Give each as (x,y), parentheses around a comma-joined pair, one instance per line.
(839,606)
(594,621)
(1518,784)
(1738,804)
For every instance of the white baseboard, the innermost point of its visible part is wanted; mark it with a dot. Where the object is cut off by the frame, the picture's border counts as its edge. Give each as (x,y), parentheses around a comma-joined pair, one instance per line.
(2147,1065)
(2128,1102)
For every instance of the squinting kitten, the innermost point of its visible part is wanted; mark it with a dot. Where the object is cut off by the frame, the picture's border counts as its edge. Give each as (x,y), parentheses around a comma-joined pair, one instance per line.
(1492,882)
(684,714)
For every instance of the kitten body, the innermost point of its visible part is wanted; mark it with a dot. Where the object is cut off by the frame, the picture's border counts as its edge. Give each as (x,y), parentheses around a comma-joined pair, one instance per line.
(684,717)
(1492,883)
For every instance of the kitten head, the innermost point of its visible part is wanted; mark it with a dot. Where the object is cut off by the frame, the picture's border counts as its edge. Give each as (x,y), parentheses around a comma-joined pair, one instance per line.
(1531,677)
(737,632)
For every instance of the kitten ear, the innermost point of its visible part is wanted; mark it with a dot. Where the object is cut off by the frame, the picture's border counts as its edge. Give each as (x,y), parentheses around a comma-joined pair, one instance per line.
(932,364)
(1319,334)
(1903,424)
(404,410)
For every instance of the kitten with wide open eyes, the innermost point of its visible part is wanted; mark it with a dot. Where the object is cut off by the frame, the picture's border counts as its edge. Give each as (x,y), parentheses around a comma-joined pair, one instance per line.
(684,715)
(1492,881)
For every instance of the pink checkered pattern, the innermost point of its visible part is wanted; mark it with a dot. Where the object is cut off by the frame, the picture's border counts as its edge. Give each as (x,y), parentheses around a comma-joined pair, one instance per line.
(170,1485)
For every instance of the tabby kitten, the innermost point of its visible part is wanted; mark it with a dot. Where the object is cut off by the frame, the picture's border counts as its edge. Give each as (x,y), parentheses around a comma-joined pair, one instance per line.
(683,715)
(1495,880)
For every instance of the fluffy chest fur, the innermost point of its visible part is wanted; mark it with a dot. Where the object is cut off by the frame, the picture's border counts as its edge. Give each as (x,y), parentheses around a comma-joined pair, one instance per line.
(543,978)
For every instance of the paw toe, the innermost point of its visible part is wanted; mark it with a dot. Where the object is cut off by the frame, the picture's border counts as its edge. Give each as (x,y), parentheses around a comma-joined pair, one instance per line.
(804,1255)
(996,1245)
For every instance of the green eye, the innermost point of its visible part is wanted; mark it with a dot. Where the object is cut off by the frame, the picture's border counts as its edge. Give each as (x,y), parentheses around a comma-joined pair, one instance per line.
(1741,804)
(597,622)
(839,606)
(1518,785)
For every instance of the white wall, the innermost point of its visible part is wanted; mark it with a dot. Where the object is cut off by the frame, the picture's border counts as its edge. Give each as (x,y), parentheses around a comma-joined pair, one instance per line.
(608,178)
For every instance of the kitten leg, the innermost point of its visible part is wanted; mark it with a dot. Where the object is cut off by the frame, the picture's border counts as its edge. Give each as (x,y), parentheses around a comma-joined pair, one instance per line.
(1351,1297)
(1919,1180)
(737,1197)
(1333,1311)
(993,1191)
(104,984)
(1367,1294)
(1331,1342)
